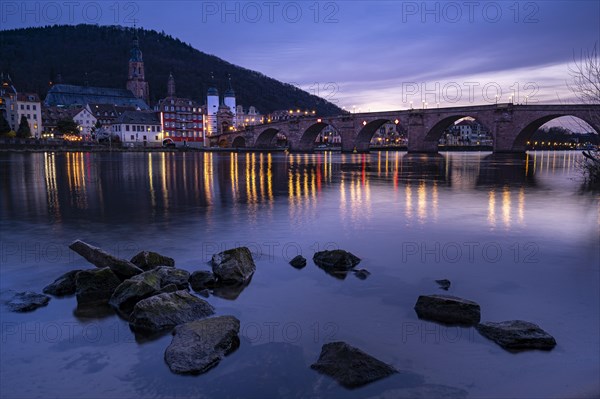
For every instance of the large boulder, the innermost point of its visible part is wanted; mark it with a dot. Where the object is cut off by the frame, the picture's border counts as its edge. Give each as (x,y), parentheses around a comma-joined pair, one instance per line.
(167,310)
(99,258)
(152,282)
(148,260)
(63,285)
(170,275)
(234,265)
(27,301)
(448,309)
(350,366)
(336,260)
(95,287)
(200,345)
(202,279)
(517,335)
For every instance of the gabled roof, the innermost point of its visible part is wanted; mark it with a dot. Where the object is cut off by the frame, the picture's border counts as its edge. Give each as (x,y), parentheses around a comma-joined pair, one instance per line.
(28,97)
(68,95)
(138,118)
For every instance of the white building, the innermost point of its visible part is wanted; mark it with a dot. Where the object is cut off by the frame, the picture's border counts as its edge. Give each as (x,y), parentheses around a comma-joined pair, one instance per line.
(138,128)
(86,121)
(29,105)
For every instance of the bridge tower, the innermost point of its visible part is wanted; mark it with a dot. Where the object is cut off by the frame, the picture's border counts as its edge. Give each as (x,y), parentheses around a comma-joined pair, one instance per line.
(212,108)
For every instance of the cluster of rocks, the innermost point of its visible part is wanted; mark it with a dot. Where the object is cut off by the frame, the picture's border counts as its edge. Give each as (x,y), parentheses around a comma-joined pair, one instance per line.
(337,263)
(513,335)
(153,296)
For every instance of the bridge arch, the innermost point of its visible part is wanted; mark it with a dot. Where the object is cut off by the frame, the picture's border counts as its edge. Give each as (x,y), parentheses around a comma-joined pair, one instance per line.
(435,133)
(239,142)
(366,133)
(309,136)
(529,129)
(265,138)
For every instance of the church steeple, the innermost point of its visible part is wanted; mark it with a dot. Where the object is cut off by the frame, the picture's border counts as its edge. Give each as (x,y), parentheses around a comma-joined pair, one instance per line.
(136,82)
(171,86)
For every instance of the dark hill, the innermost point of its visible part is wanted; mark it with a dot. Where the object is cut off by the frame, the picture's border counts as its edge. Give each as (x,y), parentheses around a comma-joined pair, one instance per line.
(99,55)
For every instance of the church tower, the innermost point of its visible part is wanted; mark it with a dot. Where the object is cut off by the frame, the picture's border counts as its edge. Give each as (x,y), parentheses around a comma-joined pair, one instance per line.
(136,82)
(171,86)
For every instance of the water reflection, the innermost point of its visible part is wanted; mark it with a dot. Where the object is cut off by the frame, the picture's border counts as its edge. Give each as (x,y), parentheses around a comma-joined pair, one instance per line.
(68,185)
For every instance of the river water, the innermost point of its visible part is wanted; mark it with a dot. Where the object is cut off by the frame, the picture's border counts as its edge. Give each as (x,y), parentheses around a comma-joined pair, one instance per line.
(515,234)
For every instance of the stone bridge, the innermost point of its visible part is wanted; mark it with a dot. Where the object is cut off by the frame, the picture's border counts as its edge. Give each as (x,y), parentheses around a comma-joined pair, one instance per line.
(510,125)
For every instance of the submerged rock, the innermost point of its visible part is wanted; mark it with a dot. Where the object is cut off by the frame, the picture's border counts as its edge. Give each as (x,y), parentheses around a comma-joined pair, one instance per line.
(95,287)
(148,260)
(298,262)
(200,345)
(448,309)
(230,291)
(63,285)
(99,258)
(337,259)
(167,310)
(362,274)
(517,335)
(147,284)
(201,280)
(444,284)
(27,301)
(350,366)
(234,265)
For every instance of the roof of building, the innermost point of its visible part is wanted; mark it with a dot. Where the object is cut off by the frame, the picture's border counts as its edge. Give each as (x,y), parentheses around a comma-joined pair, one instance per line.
(51,115)
(109,111)
(68,95)
(177,101)
(28,97)
(212,91)
(138,118)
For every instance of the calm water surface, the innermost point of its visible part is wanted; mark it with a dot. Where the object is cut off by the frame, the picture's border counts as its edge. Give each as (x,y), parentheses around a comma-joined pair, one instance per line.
(517,235)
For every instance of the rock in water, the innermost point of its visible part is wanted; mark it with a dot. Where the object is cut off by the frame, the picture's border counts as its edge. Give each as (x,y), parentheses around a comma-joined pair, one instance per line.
(95,287)
(448,309)
(64,285)
(350,366)
(362,274)
(155,281)
(234,265)
(167,310)
(170,275)
(148,260)
(444,284)
(99,258)
(298,262)
(201,280)
(517,335)
(200,345)
(27,301)
(337,259)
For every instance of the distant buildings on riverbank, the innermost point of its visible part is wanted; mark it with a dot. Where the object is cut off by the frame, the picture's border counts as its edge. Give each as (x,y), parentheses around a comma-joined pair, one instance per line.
(125,114)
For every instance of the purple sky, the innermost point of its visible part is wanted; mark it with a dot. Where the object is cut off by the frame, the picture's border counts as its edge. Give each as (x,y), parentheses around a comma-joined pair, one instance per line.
(375,55)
